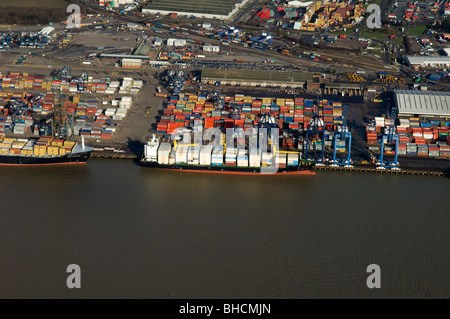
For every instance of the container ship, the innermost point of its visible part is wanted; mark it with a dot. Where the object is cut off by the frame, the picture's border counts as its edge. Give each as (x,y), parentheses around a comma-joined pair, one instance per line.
(43,151)
(59,148)
(220,160)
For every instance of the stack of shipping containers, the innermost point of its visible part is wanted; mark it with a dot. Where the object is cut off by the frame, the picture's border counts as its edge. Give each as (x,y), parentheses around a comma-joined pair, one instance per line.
(417,137)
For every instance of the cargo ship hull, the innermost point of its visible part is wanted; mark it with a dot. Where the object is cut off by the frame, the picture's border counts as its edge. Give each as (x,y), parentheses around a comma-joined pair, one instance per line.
(18,160)
(230,170)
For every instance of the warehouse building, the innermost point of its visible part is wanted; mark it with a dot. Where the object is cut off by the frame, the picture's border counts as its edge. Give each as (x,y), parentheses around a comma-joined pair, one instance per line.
(422,103)
(437,62)
(157,42)
(47,31)
(131,63)
(219,9)
(343,88)
(256,78)
(176,42)
(211,48)
(113,56)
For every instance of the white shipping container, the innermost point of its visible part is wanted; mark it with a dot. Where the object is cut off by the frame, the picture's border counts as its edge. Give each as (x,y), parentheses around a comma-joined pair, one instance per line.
(181,154)
(205,154)
(194,154)
(281,158)
(164,153)
(110,112)
(404,122)
(110,91)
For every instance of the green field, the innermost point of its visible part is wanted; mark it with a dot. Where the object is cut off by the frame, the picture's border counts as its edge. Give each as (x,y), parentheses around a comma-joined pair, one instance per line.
(34,3)
(379,34)
(399,41)
(418,30)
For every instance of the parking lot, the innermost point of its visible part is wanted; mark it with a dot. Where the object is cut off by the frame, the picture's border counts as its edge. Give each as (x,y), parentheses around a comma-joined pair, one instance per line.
(422,11)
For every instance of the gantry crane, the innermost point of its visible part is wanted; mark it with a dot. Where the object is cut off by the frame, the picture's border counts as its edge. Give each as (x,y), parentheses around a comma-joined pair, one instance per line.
(391,129)
(345,135)
(62,125)
(315,132)
(386,164)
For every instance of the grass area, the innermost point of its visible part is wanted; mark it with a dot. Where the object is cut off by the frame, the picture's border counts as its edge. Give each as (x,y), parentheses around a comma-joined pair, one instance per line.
(418,30)
(399,41)
(376,51)
(379,34)
(347,32)
(34,3)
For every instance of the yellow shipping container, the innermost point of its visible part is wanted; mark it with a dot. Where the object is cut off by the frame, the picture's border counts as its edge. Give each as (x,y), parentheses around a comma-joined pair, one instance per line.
(26,152)
(57,143)
(65,150)
(68,144)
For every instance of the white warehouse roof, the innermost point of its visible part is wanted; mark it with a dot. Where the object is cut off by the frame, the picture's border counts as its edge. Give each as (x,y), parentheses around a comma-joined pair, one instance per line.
(297,4)
(421,60)
(47,31)
(422,102)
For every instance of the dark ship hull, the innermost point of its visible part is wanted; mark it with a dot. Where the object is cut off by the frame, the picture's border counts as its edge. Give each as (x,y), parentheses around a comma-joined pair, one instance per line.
(233,170)
(19,160)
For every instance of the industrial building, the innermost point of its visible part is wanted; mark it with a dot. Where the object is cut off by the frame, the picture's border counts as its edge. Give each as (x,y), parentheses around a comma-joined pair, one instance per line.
(419,61)
(256,77)
(219,9)
(343,88)
(113,56)
(211,48)
(142,49)
(176,42)
(131,63)
(422,103)
(154,63)
(158,42)
(299,4)
(47,31)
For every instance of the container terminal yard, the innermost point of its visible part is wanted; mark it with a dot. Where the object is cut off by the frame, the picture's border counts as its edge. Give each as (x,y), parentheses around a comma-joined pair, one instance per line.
(123,77)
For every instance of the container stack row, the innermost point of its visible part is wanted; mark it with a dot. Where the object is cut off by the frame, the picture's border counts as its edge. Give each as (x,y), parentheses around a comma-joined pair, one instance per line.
(246,112)
(417,137)
(44,146)
(24,81)
(91,118)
